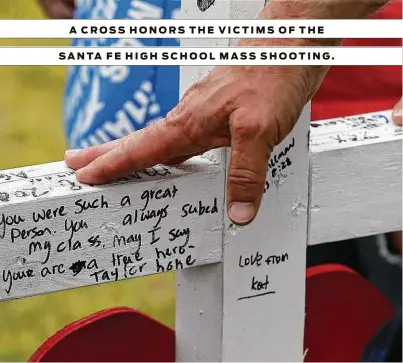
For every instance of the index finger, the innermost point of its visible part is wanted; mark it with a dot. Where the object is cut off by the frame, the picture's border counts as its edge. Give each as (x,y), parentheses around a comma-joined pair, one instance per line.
(142,149)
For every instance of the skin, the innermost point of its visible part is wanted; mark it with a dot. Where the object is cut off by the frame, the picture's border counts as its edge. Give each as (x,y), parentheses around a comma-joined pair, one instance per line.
(58,9)
(250,108)
(397,113)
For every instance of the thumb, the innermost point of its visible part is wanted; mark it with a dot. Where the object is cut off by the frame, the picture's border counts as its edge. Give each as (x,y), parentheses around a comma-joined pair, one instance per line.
(397,113)
(247,170)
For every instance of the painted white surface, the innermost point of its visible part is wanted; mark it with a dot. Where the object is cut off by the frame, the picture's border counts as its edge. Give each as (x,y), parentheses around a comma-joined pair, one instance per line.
(353,131)
(199,293)
(270,327)
(356,190)
(57,234)
(219,318)
(356,168)
(199,314)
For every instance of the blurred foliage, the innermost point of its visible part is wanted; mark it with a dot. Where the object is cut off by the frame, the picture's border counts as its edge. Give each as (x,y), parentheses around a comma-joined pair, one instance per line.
(31,133)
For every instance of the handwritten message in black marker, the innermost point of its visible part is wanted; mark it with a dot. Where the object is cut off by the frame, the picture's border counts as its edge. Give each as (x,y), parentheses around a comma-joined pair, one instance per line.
(102,236)
(279,166)
(260,283)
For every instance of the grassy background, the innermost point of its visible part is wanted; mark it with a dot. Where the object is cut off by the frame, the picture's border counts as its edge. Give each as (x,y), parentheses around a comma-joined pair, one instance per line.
(31,133)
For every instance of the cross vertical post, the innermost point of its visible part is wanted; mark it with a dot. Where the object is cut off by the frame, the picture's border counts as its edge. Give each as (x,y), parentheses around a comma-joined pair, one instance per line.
(251,307)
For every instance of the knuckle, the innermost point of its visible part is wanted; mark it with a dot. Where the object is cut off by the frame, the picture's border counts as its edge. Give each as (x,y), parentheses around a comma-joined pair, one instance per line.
(177,116)
(111,169)
(108,170)
(248,129)
(126,148)
(183,125)
(193,90)
(126,144)
(171,114)
(246,179)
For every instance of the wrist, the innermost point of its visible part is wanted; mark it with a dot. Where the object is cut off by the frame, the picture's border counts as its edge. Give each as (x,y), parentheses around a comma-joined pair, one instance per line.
(312,9)
(321,9)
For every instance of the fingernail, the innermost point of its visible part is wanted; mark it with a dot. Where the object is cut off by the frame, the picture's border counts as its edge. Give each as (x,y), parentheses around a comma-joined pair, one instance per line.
(241,212)
(71,152)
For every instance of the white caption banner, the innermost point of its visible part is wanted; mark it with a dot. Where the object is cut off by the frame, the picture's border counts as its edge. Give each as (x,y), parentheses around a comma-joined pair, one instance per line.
(200,56)
(365,28)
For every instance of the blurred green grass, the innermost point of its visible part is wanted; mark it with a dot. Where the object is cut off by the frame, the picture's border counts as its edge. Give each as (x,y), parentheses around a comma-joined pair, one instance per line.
(31,133)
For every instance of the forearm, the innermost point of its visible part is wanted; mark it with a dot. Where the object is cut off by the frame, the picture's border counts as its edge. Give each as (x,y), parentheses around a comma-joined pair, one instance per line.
(313,9)
(321,9)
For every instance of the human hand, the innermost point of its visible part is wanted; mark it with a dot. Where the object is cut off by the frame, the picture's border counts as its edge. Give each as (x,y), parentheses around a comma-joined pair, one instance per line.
(397,113)
(58,9)
(251,108)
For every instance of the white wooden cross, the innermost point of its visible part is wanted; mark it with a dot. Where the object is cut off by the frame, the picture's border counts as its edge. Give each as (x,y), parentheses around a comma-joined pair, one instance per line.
(240,291)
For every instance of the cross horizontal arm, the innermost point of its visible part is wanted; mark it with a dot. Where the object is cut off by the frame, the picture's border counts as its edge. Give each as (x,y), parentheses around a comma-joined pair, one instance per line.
(356,177)
(57,234)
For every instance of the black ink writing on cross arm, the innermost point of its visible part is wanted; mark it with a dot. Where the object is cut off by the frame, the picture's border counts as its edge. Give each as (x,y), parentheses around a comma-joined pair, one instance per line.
(257,295)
